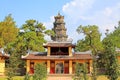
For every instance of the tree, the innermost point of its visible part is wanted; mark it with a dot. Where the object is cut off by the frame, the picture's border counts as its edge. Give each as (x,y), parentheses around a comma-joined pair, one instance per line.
(92,36)
(40,72)
(81,71)
(12,66)
(82,45)
(111,66)
(27,76)
(85,71)
(78,71)
(91,42)
(31,36)
(115,36)
(8,31)
(8,34)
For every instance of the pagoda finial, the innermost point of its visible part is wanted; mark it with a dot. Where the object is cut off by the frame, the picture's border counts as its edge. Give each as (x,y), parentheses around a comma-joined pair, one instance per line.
(59,13)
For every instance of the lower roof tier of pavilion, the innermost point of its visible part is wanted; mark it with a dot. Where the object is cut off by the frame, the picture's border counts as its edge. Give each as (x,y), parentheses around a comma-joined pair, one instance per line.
(43,56)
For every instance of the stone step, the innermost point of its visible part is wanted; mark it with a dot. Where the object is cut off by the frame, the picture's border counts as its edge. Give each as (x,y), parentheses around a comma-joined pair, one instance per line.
(59,77)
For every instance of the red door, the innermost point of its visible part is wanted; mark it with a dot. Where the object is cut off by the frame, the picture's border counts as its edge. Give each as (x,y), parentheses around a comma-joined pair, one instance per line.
(66,68)
(52,68)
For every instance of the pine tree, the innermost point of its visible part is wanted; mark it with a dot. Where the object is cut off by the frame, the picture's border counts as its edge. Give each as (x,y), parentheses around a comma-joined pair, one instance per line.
(12,66)
(78,71)
(40,72)
(85,71)
(27,77)
(111,59)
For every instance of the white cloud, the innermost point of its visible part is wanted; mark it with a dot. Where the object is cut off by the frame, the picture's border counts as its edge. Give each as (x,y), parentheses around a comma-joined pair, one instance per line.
(107,18)
(77,6)
(49,24)
(78,12)
(107,12)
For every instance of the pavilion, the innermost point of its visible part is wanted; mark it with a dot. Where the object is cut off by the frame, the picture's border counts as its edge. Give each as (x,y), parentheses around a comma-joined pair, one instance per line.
(59,57)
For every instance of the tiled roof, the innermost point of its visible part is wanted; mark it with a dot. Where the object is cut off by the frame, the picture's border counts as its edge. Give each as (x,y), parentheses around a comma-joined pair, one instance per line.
(1,54)
(58,44)
(4,55)
(82,56)
(59,57)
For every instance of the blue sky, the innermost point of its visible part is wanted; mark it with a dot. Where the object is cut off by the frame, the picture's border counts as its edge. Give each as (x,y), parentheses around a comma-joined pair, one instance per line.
(103,13)
(22,10)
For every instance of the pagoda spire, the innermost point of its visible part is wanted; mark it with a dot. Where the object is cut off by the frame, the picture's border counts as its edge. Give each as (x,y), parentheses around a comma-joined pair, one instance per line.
(58,13)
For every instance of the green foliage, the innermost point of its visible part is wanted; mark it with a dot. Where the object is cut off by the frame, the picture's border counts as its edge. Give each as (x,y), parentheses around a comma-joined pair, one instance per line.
(78,71)
(81,71)
(115,36)
(10,74)
(101,62)
(27,77)
(12,66)
(112,68)
(32,37)
(8,31)
(85,71)
(82,45)
(40,72)
(92,36)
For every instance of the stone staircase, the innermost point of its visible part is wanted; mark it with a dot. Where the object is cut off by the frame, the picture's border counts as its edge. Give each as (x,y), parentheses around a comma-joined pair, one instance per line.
(59,77)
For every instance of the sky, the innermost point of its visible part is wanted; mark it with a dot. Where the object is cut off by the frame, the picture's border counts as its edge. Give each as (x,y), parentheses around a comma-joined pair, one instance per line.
(103,13)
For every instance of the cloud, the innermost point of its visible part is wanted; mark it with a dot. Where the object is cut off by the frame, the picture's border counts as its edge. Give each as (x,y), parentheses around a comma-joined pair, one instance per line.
(77,6)
(79,12)
(49,24)
(106,18)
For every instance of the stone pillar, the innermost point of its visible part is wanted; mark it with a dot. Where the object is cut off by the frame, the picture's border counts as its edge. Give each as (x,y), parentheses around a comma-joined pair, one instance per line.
(48,54)
(70,51)
(2,66)
(48,66)
(70,66)
(28,66)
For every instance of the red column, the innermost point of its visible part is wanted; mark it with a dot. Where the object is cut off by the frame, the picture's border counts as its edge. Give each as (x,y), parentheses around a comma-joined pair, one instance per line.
(52,68)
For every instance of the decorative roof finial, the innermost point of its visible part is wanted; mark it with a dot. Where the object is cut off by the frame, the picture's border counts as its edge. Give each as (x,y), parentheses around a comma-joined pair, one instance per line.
(59,13)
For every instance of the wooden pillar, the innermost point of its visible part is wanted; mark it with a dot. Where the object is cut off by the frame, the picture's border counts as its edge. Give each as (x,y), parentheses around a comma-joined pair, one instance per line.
(70,51)
(28,66)
(70,66)
(48,54)
(48,66)
(2,66)
(90,66)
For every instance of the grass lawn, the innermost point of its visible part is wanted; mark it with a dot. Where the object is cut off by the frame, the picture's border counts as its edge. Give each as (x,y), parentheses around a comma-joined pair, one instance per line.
(15,78)
(21,78)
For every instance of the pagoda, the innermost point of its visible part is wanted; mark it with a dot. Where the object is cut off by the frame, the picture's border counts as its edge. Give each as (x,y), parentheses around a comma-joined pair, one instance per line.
(59,29)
